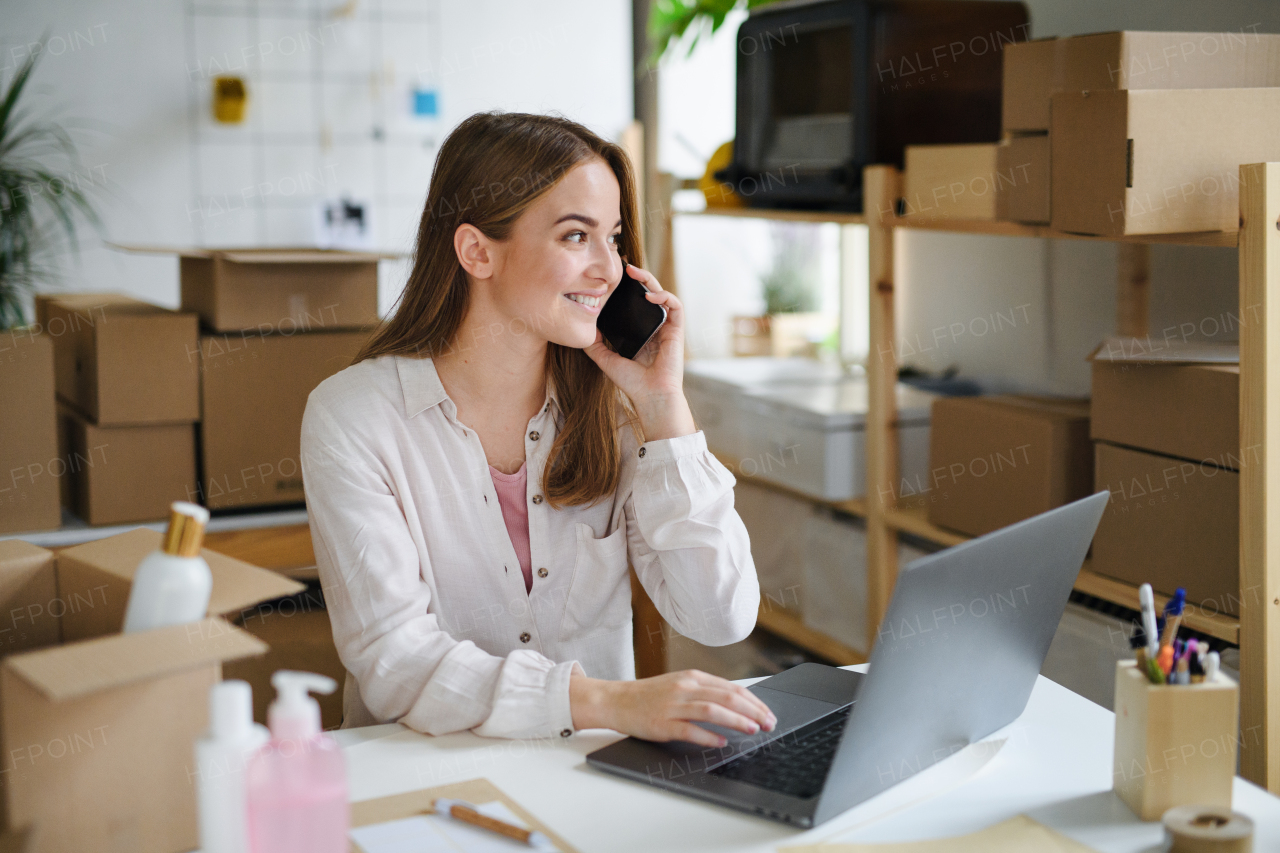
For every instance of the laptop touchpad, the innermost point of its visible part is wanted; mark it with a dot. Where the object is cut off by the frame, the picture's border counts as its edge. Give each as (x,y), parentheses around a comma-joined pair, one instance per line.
(792,712)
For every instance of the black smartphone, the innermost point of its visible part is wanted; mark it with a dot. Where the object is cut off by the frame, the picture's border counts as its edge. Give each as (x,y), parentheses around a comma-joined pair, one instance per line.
(627,320)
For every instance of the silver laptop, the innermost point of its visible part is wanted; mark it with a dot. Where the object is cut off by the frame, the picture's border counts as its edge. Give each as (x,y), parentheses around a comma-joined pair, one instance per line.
(957,655)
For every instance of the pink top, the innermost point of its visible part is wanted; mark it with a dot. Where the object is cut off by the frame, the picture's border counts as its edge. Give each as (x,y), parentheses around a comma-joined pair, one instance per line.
(515,512)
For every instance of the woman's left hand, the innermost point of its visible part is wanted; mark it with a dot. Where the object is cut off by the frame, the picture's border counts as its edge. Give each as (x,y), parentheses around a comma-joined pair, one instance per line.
(654,379)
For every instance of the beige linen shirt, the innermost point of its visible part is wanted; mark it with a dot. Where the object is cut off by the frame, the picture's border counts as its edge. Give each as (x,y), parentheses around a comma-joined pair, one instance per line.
(422,584)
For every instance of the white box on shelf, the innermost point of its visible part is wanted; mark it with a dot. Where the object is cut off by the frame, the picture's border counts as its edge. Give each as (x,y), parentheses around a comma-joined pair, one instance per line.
(813,438)
(714,385)
(834,596)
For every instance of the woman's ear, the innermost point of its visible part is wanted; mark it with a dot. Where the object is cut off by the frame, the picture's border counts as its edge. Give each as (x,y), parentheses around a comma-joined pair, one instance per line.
(474,250)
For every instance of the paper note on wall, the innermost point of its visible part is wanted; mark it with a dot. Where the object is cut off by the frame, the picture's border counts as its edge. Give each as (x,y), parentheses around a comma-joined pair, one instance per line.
(440,834)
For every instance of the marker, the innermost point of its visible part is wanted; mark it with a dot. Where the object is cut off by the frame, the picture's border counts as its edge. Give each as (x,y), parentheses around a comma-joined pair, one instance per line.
(1148,603)
(1211,664)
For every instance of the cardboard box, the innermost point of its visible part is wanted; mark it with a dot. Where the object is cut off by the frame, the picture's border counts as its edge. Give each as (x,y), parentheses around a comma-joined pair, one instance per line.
(94,579)
(997,460)
(298,631)
(97,736)
(1170,523)
(1175,745)
(123,361)
(30,611)
(97,733)
(1022,179)
(248,459)
(950,181)
(1189,410)
(1030,77)
(1155,162)
(1035,70)
(119,474)
(280,290)
(29,463)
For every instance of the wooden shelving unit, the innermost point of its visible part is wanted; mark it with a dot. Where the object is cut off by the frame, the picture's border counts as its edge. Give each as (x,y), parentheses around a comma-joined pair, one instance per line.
(970,226)
(1257,630)
(790,626)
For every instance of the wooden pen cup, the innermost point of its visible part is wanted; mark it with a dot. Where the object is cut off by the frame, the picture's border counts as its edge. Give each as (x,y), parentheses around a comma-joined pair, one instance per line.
(1176,744)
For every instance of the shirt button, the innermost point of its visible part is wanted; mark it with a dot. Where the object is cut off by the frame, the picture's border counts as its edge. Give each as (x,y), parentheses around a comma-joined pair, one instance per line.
(537,499)
(566,733)
(535,435)
(542,573)
(525,637)
(642,453)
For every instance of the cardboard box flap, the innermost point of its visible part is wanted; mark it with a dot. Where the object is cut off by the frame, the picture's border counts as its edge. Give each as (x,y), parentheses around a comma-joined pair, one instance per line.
(272,255)
(236,584)
(303,256)
(1152,351)
(15,553)
(78,669)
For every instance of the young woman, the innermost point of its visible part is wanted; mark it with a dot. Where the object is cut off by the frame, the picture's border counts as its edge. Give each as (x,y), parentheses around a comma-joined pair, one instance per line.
(480,477)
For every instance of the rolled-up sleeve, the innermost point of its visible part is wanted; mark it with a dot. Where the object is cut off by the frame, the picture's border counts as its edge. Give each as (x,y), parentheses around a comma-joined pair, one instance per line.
(408,668)
(689,548)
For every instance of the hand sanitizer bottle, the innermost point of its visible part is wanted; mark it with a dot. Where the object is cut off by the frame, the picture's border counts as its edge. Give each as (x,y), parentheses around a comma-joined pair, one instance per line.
(221,758)
(172,585)
(297,783)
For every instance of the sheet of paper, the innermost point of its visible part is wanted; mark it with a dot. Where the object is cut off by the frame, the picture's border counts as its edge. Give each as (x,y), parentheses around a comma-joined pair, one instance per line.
(1015,835)
(441,834)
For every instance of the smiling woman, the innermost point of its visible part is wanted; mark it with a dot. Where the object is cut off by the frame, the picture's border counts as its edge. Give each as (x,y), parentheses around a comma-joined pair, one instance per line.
(486,429)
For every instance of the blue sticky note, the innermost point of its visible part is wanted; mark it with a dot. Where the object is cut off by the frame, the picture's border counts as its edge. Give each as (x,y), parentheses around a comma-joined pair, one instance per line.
(424,102)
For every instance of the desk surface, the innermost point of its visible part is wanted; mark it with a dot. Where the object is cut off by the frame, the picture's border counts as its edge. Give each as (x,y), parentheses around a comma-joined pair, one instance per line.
(1055,765)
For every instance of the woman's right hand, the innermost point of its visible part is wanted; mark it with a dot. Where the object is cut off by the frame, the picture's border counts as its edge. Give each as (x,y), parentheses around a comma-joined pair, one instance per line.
(666,707)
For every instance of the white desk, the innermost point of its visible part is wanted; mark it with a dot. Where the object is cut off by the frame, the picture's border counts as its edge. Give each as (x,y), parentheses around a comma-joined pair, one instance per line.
(1055,766)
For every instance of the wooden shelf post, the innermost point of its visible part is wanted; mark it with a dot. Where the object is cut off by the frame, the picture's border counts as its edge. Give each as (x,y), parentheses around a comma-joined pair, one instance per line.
(1259,473)
(881,190)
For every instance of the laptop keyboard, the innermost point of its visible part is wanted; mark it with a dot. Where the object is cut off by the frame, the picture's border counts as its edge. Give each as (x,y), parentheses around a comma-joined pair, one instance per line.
(794,764)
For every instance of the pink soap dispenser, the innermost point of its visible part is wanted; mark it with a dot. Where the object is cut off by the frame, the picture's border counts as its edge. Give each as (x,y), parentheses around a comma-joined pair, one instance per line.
(296,785)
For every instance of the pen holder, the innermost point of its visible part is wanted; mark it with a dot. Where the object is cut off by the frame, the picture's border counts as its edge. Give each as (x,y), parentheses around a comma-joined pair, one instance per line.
(1175,743)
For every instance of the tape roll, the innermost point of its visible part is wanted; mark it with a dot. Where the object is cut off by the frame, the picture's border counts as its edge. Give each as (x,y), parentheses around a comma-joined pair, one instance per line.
(1207,829)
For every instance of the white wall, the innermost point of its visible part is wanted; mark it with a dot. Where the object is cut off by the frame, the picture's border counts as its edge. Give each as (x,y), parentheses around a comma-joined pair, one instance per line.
(1062,292)
(140,107)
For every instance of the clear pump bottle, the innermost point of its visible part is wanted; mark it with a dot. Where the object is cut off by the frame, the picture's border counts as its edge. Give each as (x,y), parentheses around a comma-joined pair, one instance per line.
(172,585)
(297,784)
(221,759)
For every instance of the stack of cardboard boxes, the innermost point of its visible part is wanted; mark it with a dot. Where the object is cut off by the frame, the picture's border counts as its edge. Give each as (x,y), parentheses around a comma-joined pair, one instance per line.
(1138,132)
(275,323)
(1167,432)
(1113,134)
(97,727)
(127,379)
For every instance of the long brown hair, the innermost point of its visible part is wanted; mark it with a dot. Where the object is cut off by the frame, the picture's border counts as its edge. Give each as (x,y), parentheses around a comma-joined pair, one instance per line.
(489,170)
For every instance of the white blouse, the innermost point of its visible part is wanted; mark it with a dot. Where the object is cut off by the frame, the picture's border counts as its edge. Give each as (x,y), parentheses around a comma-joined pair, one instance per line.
(424,590)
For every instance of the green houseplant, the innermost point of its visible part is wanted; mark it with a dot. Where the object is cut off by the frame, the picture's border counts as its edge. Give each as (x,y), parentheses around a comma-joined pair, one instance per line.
(40,198)
(669,20)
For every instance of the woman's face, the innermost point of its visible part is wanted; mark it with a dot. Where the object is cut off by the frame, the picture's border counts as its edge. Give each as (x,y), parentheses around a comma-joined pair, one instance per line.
(560,262)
